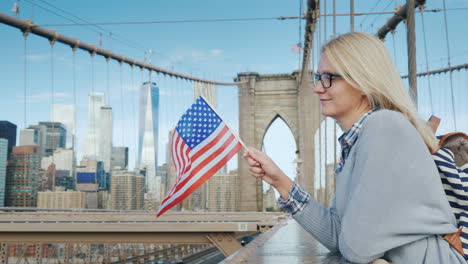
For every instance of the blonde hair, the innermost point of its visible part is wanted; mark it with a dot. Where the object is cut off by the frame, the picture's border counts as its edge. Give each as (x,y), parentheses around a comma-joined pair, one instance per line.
(365,64)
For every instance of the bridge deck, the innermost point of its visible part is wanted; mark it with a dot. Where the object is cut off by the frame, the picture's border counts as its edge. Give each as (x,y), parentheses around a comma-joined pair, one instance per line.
(289,243)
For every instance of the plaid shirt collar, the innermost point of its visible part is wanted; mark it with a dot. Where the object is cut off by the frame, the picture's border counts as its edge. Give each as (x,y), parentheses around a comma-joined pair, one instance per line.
(348,138)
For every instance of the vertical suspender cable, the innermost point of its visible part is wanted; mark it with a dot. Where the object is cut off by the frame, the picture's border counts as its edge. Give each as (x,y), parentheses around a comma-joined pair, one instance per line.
(75,138)
(300,35)
(334,121)
(135,138)
(25,79)
(122,105)
(52,106)
(325,123)
(352,15)
(411,45)
(427,62)
(449,65)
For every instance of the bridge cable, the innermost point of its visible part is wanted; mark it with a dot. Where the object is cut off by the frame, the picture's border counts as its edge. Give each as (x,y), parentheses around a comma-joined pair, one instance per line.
(132,99)
(122,105)
(334,121)
(53,108)
(326,122)
(449,65)
(75,137)
(300,35)
(25,78)
(427,61)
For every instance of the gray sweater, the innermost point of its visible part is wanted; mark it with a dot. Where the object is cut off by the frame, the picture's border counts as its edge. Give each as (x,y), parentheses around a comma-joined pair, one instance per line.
(389,200)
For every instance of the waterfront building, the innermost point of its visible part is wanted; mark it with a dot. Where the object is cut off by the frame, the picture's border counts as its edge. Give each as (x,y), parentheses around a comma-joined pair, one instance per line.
(64,160)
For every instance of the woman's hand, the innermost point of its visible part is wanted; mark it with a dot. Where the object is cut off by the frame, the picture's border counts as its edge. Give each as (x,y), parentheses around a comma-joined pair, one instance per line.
(262,166)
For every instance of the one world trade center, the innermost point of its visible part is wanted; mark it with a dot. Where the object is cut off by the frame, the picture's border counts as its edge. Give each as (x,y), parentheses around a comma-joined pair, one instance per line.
(148,137)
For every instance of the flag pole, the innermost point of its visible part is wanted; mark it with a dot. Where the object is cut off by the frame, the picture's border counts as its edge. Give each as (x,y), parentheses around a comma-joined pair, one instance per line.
(229,127)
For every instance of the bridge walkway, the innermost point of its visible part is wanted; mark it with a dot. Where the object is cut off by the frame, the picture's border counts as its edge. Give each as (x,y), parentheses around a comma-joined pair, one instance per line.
(288,243)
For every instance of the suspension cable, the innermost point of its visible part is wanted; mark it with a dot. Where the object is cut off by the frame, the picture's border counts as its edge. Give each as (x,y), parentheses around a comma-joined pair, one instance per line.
(449,65)
(25,79)
(427,62)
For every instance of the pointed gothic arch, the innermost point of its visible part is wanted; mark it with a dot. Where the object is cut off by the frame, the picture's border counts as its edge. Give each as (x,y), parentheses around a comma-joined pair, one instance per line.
(262,99)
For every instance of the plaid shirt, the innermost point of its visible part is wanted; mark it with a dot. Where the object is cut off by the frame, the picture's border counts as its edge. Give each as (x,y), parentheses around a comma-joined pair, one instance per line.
(296,200)
(298,197)
(348,139)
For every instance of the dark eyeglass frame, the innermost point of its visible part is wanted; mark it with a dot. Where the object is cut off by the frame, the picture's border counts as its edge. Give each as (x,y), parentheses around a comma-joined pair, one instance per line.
(320,77)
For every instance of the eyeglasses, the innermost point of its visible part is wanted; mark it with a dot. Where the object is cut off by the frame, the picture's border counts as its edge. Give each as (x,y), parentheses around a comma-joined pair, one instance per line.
(325,78)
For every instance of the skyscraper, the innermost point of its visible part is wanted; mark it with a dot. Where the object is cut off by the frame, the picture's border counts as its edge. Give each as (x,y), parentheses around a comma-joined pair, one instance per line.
(42,137)
(105,137)
(148,136)
(92,141)
(119,157)
(8,131)
(65,114)
(3,162)
(126,190)
(22,181)
(55,136)
(28,137)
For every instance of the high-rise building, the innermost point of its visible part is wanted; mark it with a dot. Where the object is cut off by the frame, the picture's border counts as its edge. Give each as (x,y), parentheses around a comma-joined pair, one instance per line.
(22,181)
(64,160)
(65,114)
(148,136)
(92,140)
(42,137)
(106,137)
(8,131)
(28,137)
(127,190)
(55,136)
(60,198)
(119,157)
(222,192)
(3,164)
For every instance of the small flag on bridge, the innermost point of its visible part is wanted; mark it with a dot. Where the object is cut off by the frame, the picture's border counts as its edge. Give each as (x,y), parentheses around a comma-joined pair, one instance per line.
(201,145)
(296,48)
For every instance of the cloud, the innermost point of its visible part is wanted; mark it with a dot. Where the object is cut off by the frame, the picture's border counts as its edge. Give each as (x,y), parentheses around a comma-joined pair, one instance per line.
(37,57)
(216,52)
(190,56)
(46,97)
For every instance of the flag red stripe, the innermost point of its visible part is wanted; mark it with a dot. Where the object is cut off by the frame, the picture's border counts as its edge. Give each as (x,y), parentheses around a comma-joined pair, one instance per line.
(211,144)
(175,140)
(202,179)
(179,185)
(206,161)
(200,152)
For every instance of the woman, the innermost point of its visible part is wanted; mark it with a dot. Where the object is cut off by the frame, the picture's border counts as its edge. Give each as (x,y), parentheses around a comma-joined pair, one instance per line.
(389,201)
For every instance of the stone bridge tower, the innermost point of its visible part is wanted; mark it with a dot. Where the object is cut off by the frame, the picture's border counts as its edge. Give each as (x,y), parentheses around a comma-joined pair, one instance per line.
(262,99)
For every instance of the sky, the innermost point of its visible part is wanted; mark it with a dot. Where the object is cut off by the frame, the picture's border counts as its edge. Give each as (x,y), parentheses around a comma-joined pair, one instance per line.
(33,75)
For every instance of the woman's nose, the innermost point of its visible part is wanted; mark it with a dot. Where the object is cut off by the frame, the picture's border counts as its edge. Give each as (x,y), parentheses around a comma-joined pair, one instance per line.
(318,89)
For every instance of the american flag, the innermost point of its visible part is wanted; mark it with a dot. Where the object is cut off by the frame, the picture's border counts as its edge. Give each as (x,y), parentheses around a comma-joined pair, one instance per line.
(201,145)
(296,48)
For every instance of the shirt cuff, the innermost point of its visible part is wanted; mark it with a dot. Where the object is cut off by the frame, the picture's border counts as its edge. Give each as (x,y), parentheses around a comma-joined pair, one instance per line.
(296,201)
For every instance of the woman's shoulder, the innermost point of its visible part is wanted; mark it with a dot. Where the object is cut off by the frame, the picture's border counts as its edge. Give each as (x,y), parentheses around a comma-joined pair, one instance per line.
(386,122)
